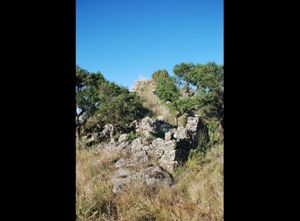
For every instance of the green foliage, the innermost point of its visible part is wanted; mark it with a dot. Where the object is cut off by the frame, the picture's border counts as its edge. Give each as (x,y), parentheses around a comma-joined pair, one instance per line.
(206,96)
(208,76)
(183,71)
(184,105)
(214,132)
(196,158)
(160,74)
(87,85)
(120,110)
(133,135)
(100,102)
(166,89)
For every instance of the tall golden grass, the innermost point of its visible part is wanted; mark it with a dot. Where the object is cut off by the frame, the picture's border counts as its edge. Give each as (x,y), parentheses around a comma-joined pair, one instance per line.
(197,195)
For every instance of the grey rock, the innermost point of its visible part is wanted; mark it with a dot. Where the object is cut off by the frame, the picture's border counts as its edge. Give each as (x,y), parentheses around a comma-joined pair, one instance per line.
(157,176)
(181,133)
(107,133)
(121,163)
(123,137)
(168,165)
(122,146)
(120,179)
(118,187)
(140,157)
(193,124)
(146,126)
(122,173)
(136,145)
(169,135)
(146,147)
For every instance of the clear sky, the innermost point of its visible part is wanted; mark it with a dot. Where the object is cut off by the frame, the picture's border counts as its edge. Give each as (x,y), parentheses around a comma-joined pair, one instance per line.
(127,40)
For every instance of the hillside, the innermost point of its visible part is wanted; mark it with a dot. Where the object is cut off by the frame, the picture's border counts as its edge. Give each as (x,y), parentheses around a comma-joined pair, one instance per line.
(135,161)
(146,91)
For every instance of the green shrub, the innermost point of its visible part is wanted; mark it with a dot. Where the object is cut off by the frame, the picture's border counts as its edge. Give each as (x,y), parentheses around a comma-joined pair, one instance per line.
(133,135)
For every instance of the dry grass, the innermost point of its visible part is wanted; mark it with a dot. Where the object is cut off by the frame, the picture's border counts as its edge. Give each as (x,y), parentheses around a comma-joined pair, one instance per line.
(153,103)
(197,195)
(94,199)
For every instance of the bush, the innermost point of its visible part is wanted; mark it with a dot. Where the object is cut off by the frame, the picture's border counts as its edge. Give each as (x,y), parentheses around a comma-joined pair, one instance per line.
(133,135)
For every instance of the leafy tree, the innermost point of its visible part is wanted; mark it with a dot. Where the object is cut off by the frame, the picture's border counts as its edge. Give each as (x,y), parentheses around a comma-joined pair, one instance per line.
(166,89)
(207,95)
(183,105)
(184,73)
(87,85)
(208,76)
(209,79)
(120,110)
(160,74)
(100,102)
(168,92)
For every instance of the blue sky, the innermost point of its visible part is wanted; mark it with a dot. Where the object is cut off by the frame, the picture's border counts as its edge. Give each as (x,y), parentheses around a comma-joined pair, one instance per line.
(130,39)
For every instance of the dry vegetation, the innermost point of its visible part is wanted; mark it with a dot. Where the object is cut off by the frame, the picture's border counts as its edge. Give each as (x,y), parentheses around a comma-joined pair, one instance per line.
(197,195)
(152,102)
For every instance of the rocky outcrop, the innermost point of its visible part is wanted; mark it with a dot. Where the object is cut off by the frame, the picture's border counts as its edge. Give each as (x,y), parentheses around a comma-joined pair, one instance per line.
(141,85)
(151,160)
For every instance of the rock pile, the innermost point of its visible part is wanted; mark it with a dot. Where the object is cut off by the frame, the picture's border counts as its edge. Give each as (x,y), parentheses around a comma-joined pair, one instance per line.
(152,157)
(149,159)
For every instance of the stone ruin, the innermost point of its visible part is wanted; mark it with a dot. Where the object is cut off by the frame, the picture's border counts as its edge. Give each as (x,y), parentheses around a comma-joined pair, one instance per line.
(149,159)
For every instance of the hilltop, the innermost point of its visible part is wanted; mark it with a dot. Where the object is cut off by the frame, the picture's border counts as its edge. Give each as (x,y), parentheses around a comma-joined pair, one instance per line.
(146,90)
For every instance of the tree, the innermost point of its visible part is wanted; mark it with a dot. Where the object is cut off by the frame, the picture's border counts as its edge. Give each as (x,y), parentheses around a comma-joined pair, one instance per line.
(184,73)
(183,105)
(87,85)
(207,97)
(166,89)
(121,110)
(169,93)
(209,79)
(159,74)
(100,102)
